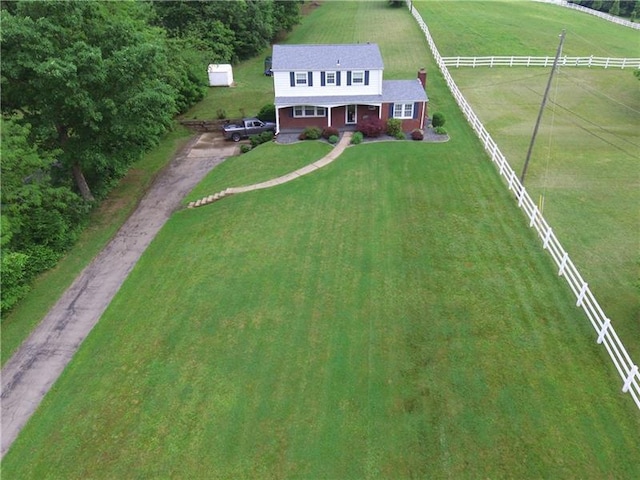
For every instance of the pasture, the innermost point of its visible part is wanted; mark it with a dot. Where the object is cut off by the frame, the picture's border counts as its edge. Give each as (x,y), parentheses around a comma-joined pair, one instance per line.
(390,316)
(584,167)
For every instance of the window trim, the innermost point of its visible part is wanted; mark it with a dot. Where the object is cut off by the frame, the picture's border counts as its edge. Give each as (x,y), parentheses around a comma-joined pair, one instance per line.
(357,74)
(399,111)
(326,79)
(301,76)
(318,112)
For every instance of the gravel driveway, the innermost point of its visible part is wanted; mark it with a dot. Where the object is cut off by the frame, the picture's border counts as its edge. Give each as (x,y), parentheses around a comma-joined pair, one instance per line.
(40,360)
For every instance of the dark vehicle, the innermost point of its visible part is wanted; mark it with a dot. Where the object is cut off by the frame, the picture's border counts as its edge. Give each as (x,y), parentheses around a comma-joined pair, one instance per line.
(246,128)
(267,67)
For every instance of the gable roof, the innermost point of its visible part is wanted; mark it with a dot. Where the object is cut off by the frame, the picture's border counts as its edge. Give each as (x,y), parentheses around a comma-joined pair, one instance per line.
(359,56)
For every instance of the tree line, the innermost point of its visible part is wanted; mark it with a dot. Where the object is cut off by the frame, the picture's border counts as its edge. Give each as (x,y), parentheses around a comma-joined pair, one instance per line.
(87,87)
(625,8)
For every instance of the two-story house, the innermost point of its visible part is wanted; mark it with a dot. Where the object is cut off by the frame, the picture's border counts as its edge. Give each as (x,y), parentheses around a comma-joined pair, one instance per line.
(340,86)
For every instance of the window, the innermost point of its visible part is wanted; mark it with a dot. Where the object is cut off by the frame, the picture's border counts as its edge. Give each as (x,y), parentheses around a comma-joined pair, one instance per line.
(301,78)
(330,78)
(403,110)
(309,111)
(357,78)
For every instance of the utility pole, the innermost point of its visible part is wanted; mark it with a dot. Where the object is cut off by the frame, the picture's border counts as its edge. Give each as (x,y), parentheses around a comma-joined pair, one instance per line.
(544,102)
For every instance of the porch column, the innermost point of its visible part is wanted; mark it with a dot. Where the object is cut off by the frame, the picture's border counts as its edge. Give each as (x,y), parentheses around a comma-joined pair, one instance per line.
(277,120)
(329,116)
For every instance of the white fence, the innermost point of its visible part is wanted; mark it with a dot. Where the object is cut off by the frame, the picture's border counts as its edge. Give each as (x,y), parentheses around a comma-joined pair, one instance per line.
(605,62)
(584,298)
(590,11)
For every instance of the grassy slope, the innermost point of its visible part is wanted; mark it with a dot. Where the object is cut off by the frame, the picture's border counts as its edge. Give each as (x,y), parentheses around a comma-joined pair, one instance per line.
(316,330)
(585,163)
(103,224)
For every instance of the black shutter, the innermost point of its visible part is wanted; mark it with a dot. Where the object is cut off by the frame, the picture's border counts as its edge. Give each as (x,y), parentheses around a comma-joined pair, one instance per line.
(310,76)
(338,79)
(366,77)
(391,110)
(292,78)
(349,78)
(416,109)
(322,79)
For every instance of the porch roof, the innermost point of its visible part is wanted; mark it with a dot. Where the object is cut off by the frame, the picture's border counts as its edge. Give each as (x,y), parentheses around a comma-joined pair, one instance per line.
(393,91)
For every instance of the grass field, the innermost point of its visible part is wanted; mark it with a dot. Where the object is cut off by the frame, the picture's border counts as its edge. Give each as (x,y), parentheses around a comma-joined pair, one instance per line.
(389,316)
(585,162)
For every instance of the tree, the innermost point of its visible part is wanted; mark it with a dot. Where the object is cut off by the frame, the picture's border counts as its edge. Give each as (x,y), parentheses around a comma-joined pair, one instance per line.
(88,76)
(615,8)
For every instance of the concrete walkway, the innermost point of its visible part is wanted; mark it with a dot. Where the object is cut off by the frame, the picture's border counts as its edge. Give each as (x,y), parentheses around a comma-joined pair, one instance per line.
(312,167)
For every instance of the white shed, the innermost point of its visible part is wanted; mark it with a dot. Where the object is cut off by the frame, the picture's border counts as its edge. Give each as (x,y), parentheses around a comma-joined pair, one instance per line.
(220,75)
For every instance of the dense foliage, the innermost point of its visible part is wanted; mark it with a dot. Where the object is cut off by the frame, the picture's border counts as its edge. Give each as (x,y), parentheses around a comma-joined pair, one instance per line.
(86,88)
(625,8)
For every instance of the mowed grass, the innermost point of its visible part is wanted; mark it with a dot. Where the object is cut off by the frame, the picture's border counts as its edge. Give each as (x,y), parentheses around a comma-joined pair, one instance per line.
(386,317)
(584,168)
(390,316)
(103,225)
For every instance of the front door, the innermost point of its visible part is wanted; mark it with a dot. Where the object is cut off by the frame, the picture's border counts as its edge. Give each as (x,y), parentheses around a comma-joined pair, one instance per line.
(352,114)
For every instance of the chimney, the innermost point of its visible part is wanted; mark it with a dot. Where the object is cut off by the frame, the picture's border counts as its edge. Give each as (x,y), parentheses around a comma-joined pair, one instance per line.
(422,76)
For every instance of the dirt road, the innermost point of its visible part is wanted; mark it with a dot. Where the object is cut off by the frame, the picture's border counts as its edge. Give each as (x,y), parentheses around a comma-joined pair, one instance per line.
(40,360)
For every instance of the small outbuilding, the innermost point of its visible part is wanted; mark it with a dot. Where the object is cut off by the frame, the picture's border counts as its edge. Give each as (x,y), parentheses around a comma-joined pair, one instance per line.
(220,75)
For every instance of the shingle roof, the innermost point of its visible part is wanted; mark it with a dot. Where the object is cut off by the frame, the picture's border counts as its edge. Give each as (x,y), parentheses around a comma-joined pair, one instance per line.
(393,91)
(326,57)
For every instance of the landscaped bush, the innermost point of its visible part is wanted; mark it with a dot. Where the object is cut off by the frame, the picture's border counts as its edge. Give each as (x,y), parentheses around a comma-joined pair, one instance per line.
(394,127)
(357,138)
(438,120)
(267,113)
(311,133)
(244,148)
(328,132)
(417,134)
(371,128)
(261,138)
(221,114)
(333,139)
(440,130)
(400,135)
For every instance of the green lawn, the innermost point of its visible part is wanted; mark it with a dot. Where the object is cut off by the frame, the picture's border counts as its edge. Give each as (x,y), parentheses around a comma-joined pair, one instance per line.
(585,163)
(103,225)
(389,316)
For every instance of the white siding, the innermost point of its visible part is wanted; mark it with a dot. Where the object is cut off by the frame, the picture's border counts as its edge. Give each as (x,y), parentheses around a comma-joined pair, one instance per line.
(282,86)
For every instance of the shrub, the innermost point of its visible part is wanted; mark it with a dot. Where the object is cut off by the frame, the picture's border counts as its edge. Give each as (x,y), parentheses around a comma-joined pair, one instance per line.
(244,148)
(440,130)
(438,120)
(260,138)
(417,134)
(371,128)
(329,132)
(357,138)
(333,139)
(394,127)
(267,113)
(312,133)
(400,135)
(221,114)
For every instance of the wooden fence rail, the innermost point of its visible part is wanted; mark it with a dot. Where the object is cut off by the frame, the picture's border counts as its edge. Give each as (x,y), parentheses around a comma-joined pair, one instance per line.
(523,61)
(606,334)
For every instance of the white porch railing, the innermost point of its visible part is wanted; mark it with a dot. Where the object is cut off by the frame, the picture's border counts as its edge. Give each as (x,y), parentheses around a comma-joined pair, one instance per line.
(606,335)
(523,61)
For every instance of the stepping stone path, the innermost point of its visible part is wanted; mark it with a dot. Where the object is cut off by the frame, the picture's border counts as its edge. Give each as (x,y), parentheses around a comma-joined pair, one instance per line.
(312,167)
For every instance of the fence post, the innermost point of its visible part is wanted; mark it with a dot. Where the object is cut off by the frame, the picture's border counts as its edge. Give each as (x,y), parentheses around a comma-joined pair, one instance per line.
(563,264)
(547,237)
(624,61)
(603,330)
(606,63)
(627,383)
(583,291)
(534,213)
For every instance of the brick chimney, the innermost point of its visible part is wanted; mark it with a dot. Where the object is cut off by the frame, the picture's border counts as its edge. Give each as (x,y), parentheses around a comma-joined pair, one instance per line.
(422,76)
